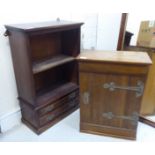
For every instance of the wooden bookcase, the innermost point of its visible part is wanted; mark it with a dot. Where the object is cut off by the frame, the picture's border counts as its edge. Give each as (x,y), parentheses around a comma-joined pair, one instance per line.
(46,70)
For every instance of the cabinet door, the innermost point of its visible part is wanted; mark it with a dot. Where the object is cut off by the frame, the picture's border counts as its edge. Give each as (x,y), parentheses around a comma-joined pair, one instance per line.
(110,100)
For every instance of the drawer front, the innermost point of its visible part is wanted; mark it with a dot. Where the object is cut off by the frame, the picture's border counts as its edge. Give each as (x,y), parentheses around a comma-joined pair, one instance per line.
(113,68)
(58,111)
(58,103)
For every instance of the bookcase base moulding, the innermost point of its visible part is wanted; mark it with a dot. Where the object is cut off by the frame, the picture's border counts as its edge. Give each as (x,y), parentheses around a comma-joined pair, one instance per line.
(46,71)
(42,117)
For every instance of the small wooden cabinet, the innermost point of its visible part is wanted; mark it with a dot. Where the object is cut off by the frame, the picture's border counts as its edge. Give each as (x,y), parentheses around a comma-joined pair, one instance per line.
(46,70)
(111,88)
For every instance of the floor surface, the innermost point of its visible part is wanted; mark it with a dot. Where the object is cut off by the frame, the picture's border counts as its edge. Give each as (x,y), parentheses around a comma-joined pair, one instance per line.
(68,131)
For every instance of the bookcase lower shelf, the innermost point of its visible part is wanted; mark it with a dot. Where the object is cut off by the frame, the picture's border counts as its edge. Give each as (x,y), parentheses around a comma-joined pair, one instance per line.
(55,105)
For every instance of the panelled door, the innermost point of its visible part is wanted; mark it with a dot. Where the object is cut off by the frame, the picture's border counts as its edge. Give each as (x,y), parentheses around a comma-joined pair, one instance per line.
(110,100)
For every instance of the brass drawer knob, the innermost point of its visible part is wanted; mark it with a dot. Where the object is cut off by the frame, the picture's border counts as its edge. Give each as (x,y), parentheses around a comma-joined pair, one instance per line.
(49,118)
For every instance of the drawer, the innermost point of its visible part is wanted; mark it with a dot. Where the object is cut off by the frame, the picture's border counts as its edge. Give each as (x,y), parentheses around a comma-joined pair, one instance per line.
(58,103)
(58,111)
(112,68)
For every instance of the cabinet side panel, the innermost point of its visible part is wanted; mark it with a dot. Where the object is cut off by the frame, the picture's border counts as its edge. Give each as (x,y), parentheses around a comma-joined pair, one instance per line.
(22,65)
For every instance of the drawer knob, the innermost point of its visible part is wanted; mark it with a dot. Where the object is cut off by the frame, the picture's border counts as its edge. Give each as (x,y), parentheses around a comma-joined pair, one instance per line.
(138,89)
(48,109)
(49,118)
(72,95)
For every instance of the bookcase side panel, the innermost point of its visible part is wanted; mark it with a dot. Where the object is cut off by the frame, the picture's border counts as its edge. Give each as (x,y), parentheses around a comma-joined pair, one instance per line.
(22,65)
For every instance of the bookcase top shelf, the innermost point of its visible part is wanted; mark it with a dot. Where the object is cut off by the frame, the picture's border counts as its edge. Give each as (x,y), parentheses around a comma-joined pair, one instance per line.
(43,65)
(30,27)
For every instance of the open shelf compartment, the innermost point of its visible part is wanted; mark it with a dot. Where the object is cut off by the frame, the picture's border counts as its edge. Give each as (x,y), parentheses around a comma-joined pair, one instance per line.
(56,82)
(52,62)
(56,93)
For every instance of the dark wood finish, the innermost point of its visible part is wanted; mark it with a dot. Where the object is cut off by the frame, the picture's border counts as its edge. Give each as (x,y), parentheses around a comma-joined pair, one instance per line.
(52,26)
(147,121)
(46,70)
(49,124)
(44,46)
(55,94)
(50,63)
(106,112)
(122,31)
(148,101)
(127,38)
(57,103)
(19,44)
(58,111)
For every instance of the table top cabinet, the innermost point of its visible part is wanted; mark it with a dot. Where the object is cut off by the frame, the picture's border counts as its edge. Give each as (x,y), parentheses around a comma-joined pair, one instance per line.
(111,88)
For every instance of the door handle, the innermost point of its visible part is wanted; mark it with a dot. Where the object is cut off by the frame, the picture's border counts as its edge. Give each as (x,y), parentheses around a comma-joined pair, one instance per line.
(138,89)
(86,96)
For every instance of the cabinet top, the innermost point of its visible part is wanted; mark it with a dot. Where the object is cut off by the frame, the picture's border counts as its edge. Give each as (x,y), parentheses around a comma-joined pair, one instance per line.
(28,27)
(126,57)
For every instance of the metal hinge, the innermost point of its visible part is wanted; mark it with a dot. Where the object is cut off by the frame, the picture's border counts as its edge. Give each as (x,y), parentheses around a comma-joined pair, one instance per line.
(138,89)
(133,118)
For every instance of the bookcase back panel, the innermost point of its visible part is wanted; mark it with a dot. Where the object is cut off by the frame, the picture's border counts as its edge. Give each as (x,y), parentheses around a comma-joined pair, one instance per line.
(71,42)
(45,46)
(70,70)
(48,79)
(53,78)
